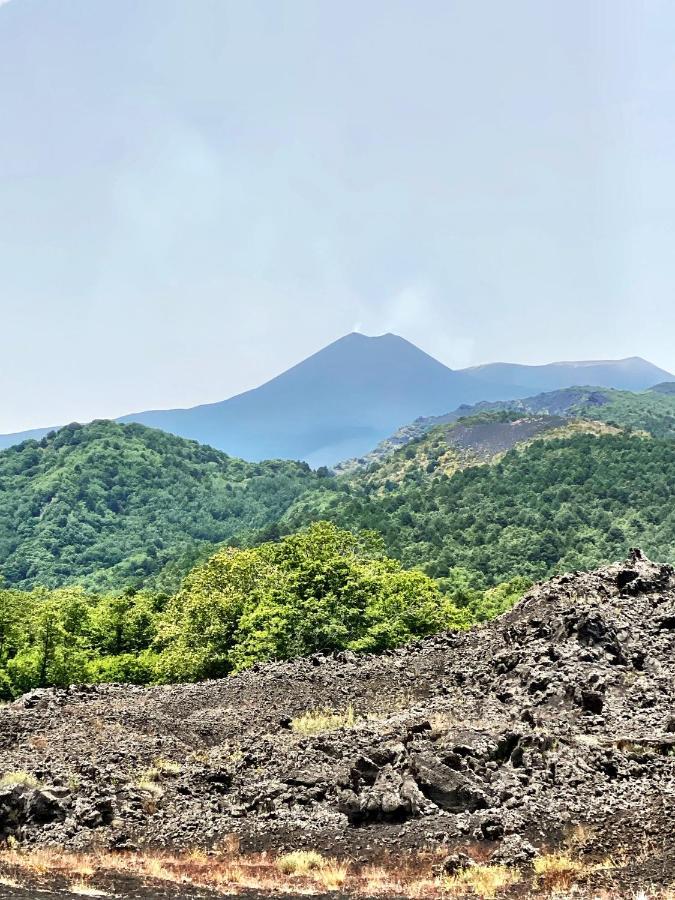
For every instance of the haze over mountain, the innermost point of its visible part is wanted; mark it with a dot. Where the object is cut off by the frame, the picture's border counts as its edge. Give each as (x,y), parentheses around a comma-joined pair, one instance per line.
(343,400)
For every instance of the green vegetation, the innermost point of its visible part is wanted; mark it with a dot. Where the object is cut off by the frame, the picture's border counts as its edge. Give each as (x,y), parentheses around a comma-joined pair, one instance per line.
(557,505)
(108,506)
(320,589)
(112,541)
(652,411)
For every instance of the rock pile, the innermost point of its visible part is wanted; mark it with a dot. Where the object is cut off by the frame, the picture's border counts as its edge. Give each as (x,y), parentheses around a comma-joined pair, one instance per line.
(559,714)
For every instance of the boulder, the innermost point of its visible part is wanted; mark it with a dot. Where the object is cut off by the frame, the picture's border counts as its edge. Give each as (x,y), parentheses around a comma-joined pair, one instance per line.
(392,797)
(514,850)
(450,790)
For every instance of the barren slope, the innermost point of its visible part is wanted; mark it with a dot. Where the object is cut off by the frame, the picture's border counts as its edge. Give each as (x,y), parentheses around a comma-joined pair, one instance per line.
(559,713)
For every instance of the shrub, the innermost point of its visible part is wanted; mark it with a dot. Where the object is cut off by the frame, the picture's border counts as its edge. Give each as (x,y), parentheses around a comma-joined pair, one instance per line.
(317,720)
(9,779)
(301,862)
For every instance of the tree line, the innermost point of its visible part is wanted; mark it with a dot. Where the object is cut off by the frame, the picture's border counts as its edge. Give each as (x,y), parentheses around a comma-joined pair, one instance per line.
(322,589)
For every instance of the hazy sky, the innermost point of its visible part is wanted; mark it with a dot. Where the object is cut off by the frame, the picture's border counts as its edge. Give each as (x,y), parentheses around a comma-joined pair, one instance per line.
(195,194)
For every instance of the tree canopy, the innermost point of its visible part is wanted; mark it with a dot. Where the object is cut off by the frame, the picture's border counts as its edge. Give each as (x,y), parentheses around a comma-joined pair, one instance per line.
(108,505)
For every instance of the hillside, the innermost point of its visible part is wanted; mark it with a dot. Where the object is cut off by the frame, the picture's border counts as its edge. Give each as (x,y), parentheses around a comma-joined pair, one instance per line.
(499,495)
(470,441)
(108,505)
(556,505)
(340,402)
(652,411)
(550,728)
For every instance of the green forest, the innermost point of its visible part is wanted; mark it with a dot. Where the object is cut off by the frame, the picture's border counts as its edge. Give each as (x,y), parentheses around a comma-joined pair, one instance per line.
(109,506)
(131,555)
(652,411)
(555,506)
(322,589)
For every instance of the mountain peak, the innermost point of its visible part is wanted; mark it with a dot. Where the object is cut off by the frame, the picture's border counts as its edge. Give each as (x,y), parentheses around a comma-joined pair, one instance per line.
(344,399)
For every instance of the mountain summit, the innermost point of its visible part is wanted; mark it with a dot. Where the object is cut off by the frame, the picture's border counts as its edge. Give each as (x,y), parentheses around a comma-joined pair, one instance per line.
(340,402)
(334,403)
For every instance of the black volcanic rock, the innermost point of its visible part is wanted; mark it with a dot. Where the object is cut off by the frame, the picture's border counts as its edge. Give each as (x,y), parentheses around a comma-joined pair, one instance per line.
(558,713)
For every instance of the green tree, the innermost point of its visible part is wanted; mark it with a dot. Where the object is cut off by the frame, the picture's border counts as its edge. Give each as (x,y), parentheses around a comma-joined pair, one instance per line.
(324,588)
(54,652)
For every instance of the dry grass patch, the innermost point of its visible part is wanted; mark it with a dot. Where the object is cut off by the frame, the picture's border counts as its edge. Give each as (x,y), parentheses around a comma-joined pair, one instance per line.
(167,767)
(333,876)
(301,862)
(25,779)
(555,871)
(315,721)
(484,881)
(329,874)
(297,873)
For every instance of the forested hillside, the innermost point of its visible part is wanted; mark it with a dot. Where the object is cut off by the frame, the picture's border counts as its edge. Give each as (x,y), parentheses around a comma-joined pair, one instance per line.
(471,441)
(108,505)
(652,411)
(477,502)
(321,589)
(556,505)
(129,554)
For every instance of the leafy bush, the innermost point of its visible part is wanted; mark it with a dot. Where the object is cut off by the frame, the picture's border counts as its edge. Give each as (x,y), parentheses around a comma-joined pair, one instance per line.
(321,589)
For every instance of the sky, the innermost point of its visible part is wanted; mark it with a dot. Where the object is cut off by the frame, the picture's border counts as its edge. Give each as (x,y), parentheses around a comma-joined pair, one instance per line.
(196,194)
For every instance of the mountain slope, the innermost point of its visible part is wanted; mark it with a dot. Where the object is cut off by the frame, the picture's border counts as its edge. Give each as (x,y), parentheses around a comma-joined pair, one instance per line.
(631,374)
(556,505)
(346,396)
(109,505)
(471,441)
(343,400)
(18,437)
(652,411)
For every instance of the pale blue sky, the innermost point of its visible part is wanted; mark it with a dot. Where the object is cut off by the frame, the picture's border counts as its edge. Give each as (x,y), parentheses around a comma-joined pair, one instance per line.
(194,194)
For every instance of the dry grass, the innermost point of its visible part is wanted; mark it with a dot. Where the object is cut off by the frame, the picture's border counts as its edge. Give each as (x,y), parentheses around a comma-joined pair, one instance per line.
(555,871)
(167,767)
(333,876)
(150,787)
(484,881)
(315,721)
(328,873)
(301,862)
(306,872)
(9,779)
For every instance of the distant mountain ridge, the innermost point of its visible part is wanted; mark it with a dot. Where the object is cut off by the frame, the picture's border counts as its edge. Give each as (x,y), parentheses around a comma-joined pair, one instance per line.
(651,411)
(341,401)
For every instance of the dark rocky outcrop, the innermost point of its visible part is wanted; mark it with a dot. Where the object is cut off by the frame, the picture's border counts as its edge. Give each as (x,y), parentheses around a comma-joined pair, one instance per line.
(557,714)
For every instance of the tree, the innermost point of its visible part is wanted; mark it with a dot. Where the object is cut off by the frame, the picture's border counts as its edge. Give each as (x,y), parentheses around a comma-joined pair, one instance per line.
(54,652)
(323,588)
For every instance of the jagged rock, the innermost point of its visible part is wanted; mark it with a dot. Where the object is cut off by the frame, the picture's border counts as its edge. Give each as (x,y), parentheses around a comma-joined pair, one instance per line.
(12,807)
(447,788)
(456,863)
(94,813)
(514,850)
(515,730)
(44,806)
(392,797)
